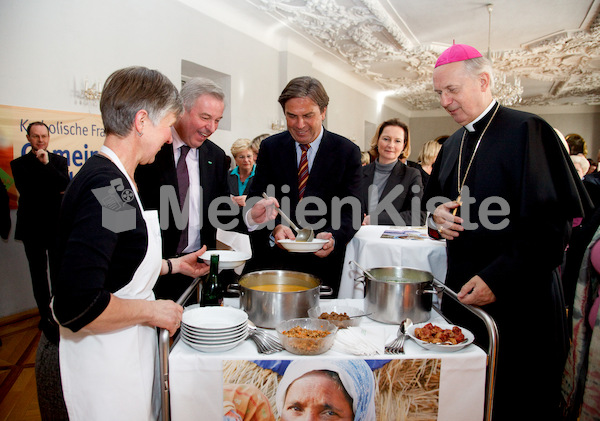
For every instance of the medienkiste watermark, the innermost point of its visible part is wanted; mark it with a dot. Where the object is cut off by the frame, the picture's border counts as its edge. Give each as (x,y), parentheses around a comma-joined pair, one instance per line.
(311,211)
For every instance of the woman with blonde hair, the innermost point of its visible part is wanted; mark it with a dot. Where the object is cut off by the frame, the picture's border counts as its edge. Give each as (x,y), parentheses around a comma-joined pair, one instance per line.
(255,144)
(426,158)
(388,181)
(240,178)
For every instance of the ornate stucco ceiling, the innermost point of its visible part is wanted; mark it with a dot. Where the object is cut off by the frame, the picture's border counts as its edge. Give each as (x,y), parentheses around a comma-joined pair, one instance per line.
(552,46)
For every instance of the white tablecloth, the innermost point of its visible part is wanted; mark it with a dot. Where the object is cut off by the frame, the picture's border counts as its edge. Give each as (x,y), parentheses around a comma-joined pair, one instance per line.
(196,378)
(369,250)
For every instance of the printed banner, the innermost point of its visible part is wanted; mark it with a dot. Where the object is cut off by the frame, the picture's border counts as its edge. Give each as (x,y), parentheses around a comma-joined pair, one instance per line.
(76,136)
(365,390)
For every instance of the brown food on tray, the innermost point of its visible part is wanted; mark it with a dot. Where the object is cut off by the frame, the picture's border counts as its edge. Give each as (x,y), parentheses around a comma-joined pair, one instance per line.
(338,317)
(305,341)
(302,333)
(435,334)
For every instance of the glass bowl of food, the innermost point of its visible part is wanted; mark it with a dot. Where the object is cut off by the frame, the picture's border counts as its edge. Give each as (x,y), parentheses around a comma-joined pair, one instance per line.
(341,316)
(306,336)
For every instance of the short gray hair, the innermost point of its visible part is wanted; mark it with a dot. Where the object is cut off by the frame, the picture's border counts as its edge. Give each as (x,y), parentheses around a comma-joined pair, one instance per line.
(476,66)
(136,88)
(198,86)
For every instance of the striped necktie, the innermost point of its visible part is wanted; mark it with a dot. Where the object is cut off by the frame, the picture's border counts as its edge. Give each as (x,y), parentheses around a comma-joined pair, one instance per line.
(303,170)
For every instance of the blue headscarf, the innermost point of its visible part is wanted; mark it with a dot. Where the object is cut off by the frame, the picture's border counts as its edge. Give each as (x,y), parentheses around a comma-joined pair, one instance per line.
(356,376)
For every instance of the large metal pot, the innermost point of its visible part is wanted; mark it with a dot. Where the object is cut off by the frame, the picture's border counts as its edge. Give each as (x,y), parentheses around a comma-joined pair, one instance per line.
(398,293)
(267,308)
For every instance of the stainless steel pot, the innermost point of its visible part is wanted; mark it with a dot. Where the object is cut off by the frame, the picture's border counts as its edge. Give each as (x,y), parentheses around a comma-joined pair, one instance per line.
(266,308)
(398,293)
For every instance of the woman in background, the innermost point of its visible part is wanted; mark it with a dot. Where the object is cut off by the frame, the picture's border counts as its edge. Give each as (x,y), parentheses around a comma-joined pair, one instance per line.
(365,158)
(255,144)
(581,376)
(426,158)
(240,178)
(390,181)
(110,259)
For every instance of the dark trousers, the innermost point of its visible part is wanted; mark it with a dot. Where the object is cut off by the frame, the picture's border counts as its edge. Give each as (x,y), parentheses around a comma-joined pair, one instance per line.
(49,386)
(40,255)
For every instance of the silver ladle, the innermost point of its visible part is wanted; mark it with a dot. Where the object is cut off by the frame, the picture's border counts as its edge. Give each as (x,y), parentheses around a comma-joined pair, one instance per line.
(304,235)
(366,272)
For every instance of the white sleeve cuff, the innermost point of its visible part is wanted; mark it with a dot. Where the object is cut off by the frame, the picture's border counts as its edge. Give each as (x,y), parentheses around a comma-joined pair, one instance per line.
(431,223)
(249,222)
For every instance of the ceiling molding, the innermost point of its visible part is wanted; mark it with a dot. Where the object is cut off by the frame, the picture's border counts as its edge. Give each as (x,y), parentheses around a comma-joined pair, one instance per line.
(365,35)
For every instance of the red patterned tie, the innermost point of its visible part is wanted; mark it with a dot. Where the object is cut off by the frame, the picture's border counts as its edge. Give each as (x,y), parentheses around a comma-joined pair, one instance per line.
(303,170)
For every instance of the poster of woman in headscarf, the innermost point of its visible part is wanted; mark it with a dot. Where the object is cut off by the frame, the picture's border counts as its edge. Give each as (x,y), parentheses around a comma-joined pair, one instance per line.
(331,389)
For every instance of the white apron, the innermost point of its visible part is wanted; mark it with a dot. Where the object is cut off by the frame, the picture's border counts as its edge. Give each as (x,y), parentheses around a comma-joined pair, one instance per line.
(111,376)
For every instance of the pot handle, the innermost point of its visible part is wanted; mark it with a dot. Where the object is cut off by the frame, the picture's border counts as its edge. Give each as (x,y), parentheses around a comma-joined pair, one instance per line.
(234,288)
(325,291)
(362,279)
(437,289)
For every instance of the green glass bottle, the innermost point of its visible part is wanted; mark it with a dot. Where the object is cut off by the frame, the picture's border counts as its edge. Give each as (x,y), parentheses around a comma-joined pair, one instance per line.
(212,291)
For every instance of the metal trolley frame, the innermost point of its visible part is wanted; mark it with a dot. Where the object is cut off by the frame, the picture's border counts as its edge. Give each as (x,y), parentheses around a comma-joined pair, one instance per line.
(164,349)
(163,355)
(492,353)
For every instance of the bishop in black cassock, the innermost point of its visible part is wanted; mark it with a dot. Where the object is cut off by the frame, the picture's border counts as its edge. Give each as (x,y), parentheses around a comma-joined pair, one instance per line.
(518,193)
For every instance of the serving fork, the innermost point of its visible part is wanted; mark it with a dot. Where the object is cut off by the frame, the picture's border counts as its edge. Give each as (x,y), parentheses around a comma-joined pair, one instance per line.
(265,343)
(397,345)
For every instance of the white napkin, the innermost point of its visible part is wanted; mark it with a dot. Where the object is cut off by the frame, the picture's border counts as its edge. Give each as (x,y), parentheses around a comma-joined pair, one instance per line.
(356,340)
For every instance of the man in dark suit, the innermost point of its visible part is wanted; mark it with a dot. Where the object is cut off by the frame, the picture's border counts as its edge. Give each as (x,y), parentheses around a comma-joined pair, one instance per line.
(333,164)
(202,166)
(41,178)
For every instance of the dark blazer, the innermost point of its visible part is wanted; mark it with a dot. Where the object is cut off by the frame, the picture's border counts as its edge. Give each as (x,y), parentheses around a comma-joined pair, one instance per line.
(407,178)
(232,183)
(41,189)
(162,172)
(334,175)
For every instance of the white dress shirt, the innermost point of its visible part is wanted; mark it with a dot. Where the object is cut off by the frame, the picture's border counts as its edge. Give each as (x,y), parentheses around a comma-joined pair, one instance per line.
(311,152)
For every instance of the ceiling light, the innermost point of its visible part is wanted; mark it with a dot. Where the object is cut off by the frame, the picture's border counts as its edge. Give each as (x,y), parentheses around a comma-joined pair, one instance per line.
(505,92)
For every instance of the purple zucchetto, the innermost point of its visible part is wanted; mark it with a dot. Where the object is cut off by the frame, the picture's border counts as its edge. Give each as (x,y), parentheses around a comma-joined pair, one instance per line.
(458,52)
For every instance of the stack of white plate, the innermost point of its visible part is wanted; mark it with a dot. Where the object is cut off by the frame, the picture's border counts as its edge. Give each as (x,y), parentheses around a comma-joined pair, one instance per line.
(213,329)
